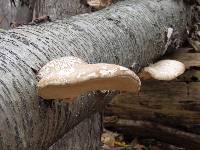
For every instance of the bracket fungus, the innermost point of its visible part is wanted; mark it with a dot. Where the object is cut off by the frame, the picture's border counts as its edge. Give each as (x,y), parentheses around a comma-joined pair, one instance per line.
(68,80)
(163,70)
(59,64)
(99,4)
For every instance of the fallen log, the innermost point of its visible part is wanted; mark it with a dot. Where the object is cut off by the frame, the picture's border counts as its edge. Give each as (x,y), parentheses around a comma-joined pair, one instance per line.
(130,33)
(168,109)
(157,131)
(170,103)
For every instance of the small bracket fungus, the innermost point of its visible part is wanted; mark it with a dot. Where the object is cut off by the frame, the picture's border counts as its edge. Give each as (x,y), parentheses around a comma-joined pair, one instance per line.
(69,83)
(163,70)
(99,4)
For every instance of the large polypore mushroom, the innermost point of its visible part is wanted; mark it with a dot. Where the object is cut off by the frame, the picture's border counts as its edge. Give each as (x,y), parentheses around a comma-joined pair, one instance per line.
(68,82)
(163,70)
(63,63)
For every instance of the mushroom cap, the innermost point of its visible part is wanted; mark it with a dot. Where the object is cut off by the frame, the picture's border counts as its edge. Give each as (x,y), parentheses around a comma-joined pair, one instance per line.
(58,64)
(98,4)
(87,77)
(163,70)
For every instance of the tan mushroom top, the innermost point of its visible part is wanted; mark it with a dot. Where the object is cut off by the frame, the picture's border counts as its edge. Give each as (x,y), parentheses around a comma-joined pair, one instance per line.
(58,64)
(163,70)
(99,4)
(68,83)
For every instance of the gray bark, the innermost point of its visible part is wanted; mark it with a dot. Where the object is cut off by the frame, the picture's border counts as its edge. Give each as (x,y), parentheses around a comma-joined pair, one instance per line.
(131,33)
(24,12)
(53,8)
(59,9)
(87,137)
(7,13)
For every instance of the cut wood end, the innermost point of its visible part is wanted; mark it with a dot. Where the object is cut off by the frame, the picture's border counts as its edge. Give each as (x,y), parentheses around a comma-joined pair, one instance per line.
(163,70)
(87,77)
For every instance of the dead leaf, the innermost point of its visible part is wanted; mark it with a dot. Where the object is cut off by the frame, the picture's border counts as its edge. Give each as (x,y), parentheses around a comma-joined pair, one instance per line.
(108,139)
(40,20)
(15,24)
(121,144)
(110,119)
(195,44)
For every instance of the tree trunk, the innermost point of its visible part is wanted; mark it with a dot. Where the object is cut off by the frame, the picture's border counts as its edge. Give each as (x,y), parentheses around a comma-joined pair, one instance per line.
(24,12)
(53,8)
(7,13)
(60,9)
(85,136)
(131,33)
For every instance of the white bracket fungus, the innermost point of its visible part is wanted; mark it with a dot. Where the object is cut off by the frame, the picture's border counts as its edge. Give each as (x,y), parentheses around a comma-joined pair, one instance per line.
(163,70)
(68,77)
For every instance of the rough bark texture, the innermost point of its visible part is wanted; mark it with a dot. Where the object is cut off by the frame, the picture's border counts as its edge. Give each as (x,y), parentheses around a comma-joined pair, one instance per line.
(174,104)
(24,12)
(53,8)
(159,132)
(130,33)
(60,9)
(85,136)
(7,13)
